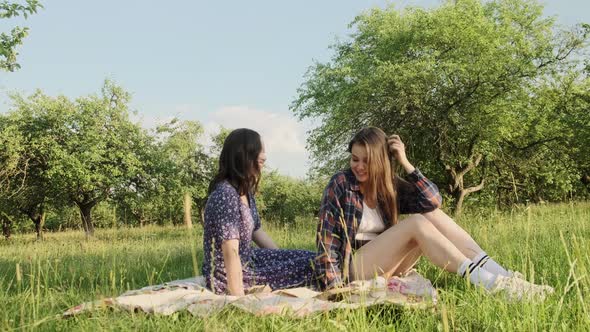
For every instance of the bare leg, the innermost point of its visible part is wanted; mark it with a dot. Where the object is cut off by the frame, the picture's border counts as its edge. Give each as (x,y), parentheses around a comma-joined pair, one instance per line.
(393,249)
(457,235)
(387,252)
(408,262)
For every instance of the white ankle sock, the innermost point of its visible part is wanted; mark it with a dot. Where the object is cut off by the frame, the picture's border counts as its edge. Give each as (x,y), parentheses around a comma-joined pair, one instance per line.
(477,275)
(483,260)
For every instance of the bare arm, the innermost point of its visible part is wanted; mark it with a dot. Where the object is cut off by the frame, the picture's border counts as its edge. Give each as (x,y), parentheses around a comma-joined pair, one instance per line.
(233,267)
(262,240)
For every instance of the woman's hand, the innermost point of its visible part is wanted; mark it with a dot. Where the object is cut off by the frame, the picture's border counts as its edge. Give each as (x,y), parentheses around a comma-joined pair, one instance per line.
(398,149)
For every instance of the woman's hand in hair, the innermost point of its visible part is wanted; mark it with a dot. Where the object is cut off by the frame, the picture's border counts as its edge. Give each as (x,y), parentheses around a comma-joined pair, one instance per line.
(398,149)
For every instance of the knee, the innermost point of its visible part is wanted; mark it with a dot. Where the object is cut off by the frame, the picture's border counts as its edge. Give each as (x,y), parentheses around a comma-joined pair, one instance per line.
(432,214)
(419,224)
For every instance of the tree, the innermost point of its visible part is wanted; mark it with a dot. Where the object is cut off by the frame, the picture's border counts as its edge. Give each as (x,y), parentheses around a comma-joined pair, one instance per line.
(10,167)
(11,157)
(186,162)
(283,199)
(211,165)
(99,151)
(176,172)
(140,196)
(548,155)
(217,141)
(57,152)
(24,159)
(579,121)
(9,42)
(451,81)
(88,147)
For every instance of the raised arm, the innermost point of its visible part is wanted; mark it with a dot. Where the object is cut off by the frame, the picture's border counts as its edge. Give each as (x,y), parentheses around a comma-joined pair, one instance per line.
(417,194)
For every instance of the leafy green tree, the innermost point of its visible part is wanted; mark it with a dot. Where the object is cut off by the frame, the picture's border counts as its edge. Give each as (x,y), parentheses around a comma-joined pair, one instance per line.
(217,141)
(451,81)
(139,197)
(548,154)
(210,166)
(283,198)
(186,162)
(9,41)
(176,168)
(56,153)
(99,151)
(579,121)
(10,166)
(24,157)
(85,148)
(11,157)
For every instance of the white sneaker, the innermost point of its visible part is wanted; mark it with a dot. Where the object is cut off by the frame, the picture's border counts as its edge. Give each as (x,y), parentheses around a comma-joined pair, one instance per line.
(518,289)
(516,274)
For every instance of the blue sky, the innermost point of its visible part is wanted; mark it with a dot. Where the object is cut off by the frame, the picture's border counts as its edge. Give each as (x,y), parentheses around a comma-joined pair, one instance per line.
(231,63)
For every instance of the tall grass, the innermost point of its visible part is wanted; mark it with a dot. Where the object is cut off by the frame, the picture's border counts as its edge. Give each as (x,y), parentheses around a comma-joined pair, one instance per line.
(549,244)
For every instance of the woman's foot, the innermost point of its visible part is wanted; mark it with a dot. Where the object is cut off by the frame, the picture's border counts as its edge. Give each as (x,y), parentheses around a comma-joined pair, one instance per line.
(517,289)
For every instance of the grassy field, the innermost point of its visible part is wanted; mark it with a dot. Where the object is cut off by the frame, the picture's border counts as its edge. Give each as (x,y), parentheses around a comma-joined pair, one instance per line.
(40,280)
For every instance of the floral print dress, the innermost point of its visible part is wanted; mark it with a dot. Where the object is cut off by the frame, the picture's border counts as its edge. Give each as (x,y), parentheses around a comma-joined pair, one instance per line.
(227,218)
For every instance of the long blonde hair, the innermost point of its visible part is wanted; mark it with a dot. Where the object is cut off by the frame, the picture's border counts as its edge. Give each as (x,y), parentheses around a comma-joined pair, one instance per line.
(380,185)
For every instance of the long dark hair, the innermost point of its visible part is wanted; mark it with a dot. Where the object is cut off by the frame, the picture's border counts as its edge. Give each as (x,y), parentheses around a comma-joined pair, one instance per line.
(238,161)
(380,164)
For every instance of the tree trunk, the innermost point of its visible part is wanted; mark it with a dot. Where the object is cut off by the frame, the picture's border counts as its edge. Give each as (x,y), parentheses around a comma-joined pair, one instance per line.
(39,221)
(188,222)
(457,188)
(459,196)
(6,227)
(85,214)
(139,215)
(37,215)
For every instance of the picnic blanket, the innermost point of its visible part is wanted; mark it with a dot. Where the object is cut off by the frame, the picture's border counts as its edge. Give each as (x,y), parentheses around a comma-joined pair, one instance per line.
(411,290)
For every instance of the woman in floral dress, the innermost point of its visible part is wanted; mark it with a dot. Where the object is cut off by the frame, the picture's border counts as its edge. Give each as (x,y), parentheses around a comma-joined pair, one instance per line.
(231,264)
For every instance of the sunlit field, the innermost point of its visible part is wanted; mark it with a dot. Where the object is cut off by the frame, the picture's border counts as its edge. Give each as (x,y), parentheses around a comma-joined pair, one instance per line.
(39,280)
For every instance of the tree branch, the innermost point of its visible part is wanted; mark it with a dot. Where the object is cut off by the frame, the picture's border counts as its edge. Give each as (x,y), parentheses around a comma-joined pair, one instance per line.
(479,187)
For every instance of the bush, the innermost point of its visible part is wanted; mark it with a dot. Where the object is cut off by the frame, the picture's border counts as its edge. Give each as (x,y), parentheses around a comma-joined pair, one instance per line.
(283,198)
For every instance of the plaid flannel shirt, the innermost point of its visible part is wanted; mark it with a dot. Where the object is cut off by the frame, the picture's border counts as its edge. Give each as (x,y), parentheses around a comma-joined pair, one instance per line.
(341,212)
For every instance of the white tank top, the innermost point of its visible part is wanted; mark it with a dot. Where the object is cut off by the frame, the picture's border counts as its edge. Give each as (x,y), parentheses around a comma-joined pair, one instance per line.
(371,224)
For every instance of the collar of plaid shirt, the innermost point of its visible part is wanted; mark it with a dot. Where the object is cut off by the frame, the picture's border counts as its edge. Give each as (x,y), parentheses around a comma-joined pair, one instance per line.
(354,185)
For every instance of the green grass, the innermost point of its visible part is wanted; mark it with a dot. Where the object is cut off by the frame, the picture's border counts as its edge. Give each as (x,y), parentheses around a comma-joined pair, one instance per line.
(548,243)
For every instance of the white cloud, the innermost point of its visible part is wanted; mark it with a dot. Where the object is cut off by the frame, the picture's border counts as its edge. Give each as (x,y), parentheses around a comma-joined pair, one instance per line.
(150,122)
(283,136)
(152,116)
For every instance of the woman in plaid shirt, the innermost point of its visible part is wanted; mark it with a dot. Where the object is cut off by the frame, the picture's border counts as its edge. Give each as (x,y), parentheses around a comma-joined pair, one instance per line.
(359,235)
